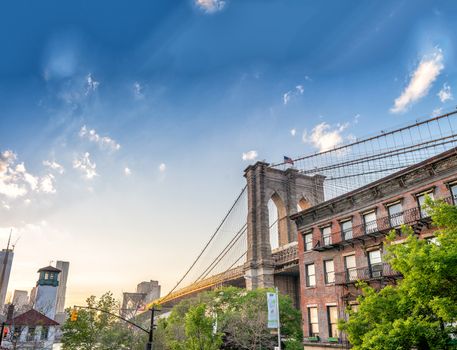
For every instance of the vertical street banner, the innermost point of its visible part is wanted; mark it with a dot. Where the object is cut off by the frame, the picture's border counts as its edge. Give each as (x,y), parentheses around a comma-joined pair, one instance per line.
(273,317)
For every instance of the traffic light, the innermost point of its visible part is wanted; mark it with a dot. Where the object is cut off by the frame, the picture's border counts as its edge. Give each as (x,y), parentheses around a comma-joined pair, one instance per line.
(5,332)
(74,315)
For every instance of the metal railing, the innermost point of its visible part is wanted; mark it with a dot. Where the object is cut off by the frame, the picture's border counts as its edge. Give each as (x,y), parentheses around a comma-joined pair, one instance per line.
(286,255)
(366,273)
(381,225)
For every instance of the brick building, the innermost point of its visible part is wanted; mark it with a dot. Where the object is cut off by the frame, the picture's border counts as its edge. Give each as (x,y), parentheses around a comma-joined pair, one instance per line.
(341,241)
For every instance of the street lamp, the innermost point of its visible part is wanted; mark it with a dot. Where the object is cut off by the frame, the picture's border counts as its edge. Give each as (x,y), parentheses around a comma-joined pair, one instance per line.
(275,311)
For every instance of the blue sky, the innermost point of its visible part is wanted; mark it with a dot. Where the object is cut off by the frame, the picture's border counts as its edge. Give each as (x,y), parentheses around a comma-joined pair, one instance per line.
(125,128)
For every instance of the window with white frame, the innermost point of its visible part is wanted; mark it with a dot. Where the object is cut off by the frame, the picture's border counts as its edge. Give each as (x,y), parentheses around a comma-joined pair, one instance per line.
(313,321)
(310,275)
(395,214)
(346,229)
(375,261)
(369,220)
(329,270)
(308,238)
(332,314)
(327,235)
(350,266)
(421,202)
(453,189)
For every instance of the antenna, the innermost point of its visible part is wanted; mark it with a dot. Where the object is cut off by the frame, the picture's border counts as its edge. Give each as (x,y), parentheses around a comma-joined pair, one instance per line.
(15,243)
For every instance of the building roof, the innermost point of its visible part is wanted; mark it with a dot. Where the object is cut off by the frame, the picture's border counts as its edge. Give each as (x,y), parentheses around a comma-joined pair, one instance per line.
(33,318)
(446,154)
(49,269)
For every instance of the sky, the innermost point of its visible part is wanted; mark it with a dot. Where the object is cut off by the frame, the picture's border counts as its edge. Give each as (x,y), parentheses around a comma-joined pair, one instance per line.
(126,127)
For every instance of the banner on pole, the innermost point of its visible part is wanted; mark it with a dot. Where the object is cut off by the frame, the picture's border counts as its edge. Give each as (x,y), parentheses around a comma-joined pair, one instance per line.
(273,317)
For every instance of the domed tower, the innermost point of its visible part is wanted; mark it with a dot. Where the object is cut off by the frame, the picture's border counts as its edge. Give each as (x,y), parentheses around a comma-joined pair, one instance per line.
(46,293)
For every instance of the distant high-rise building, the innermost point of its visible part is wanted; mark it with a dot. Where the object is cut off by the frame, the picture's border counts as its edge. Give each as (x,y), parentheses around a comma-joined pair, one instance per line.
(62,288)
(6,261)
(20,298)
(46,293)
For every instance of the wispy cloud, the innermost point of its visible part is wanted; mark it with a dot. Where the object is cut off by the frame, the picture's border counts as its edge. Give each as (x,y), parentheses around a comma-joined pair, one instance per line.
(127,171)
(445,93)
(324,136)
(91,84)
(250,155)
(53,165)
(138,90)
(210,6)
(293,132)
(16,181)
(437,111)
(162,167)
(86,166)
(421,80)
(103,141)
(298,90)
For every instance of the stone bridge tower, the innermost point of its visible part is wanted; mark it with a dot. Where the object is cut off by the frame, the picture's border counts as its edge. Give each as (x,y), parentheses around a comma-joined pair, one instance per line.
(289,190)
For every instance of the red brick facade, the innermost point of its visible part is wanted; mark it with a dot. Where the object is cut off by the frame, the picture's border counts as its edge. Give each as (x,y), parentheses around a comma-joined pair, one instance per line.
(364,240)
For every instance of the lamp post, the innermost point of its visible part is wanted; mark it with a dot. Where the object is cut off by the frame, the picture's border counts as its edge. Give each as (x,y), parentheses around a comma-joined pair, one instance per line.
(276,311)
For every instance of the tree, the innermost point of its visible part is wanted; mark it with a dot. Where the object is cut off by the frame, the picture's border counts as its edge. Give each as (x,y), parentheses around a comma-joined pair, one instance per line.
(241,321)
(420,312)
(95,330)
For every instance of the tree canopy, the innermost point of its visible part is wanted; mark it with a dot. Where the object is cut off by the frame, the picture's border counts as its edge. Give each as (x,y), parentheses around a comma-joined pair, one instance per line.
(420,312)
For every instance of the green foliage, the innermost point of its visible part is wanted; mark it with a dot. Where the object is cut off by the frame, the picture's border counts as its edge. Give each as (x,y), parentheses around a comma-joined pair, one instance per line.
(241,322)
(95,330)
(421,311)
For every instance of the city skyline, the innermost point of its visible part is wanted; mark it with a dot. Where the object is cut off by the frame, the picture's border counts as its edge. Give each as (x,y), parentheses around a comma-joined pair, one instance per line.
(114,119)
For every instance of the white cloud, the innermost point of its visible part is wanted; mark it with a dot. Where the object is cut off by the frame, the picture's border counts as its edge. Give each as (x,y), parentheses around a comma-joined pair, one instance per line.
(47,184)
(16,182)
(437,111)
(138,90)
(293,132)
(162,167)
(103,141)
(298,90)
(54,166)
(86,166)
(421,80)
(210,6)
(324,136)
(250,155)
(91,84)
(127,171)
(445,93)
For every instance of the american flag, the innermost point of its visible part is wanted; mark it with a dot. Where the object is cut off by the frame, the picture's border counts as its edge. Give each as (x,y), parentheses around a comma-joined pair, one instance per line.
(288,160)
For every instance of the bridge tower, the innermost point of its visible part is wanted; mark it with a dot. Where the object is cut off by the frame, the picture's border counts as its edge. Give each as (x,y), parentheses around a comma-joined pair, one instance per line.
(289,190)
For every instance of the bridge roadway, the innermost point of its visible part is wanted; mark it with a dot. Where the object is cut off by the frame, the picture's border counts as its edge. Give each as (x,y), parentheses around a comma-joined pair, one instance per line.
(286,264)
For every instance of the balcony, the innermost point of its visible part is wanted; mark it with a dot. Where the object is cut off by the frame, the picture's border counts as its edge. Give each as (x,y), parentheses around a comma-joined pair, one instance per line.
(366,273)
(413,217)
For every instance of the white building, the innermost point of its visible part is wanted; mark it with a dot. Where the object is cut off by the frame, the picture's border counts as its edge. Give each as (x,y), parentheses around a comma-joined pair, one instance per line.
(46,292)
(30,330)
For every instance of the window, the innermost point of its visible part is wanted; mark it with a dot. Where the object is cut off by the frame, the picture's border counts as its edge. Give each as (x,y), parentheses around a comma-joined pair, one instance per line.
(369,219)
(332,314)
(44,333)
(351,270)
(421,201)
(396,214)
(313,322)
(327,235)
(453,189)
(308,241)
(310,275)
(375,261)
(31,334)
(329,271)
(346,229)
(46,275)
